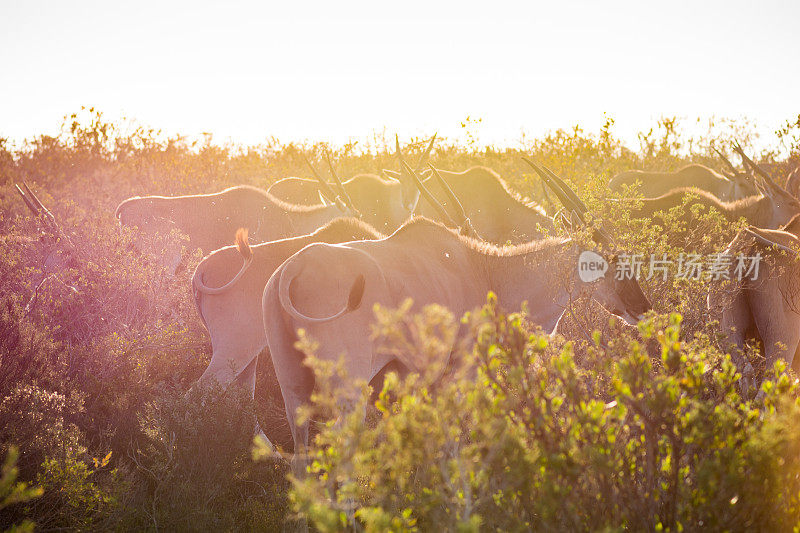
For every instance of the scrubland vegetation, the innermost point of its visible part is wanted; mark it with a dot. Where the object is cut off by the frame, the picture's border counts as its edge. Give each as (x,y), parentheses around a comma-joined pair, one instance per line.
(603,427)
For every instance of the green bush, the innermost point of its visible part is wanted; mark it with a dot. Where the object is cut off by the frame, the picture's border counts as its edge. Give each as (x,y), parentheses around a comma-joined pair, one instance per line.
(533,439)
(40,423)
(196,467)
(13,492)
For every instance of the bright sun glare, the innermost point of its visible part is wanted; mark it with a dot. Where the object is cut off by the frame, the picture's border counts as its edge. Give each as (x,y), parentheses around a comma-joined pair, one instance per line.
(334,71)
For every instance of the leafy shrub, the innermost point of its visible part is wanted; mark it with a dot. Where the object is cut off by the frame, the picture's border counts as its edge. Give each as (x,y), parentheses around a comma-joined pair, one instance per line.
(13,492)
(74,498)
(41,424)
(534,440)
(198,472)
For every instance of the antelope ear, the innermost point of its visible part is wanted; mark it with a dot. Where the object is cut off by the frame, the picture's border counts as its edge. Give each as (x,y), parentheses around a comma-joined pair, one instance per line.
(775,189)
(574,219)
(761,186)
(391,174)
(793,182)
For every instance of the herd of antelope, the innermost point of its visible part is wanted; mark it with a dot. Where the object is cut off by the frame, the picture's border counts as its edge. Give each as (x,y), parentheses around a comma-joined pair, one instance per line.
(318,256)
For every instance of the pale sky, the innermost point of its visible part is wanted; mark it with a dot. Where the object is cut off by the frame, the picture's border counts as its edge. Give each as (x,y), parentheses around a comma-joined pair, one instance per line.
(340,69)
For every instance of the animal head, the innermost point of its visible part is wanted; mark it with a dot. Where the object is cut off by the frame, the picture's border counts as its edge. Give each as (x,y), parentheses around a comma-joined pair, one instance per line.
(743,183)
(147,214)
(150,216)
(409,191)
(783,204)
(621,295)
(611,286)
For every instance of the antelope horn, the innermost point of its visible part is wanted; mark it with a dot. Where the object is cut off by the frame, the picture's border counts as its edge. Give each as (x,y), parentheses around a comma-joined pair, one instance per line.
(342,191)
(424,157)
(27,201)
(466,224)
(572,216)
(397,152)
(43,209)
(757,169)
(574,203)
(428,196)
(560,216)
(598,232)
(450,194)
(36,200)
(568,191)
(562,196)
(545,193)
(325,188)
(725,160)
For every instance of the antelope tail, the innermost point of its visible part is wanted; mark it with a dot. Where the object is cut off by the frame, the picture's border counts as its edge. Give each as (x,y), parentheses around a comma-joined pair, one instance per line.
(247,257)
(242,245)
(288,275)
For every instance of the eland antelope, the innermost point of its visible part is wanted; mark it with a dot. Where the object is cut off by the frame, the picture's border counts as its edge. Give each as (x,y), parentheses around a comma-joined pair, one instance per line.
(728,187)
(704,178)
(764,309)
(231,307)
(329,290)
(227,286)
(771,208)
(496,213)
(774,207)
(209,220)
(383,203)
